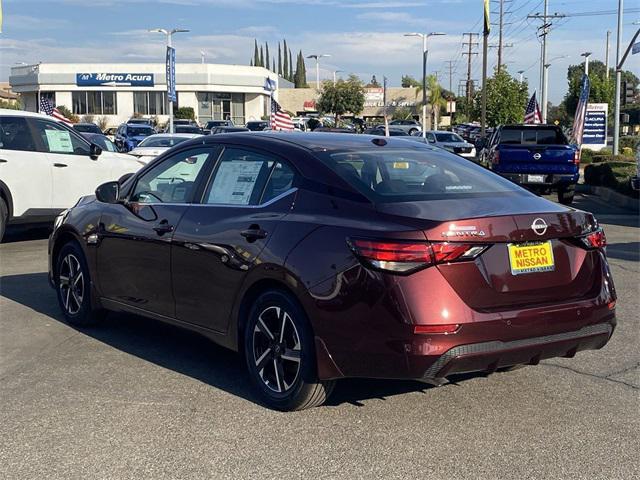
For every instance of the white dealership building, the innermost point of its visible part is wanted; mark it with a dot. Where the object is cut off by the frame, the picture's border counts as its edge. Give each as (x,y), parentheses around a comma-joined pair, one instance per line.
(119,91)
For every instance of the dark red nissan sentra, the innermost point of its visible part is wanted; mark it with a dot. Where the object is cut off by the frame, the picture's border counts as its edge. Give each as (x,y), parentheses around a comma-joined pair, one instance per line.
(321,256)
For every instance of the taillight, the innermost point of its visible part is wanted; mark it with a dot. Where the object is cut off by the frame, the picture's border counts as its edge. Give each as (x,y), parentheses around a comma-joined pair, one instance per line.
(496,157)
(576,157)
(593,240)
(405,257)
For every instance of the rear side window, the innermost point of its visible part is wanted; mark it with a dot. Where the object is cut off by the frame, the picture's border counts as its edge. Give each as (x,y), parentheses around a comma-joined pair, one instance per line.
(15,134)
(280,181)
(532,136)
(56,138)
(402,175)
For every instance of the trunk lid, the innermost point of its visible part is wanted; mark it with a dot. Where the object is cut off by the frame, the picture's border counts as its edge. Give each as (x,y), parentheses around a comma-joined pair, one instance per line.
(547,159)
(489,283)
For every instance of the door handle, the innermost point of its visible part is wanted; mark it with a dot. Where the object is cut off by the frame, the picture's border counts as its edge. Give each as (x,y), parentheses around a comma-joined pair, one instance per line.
(163,227)
(60,165)
(253,233)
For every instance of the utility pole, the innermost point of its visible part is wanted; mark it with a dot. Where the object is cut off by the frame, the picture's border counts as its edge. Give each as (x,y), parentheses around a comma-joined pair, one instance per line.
(616,114)
(606,55)
(500,35)
(545,17)
(450,67)
(471,44)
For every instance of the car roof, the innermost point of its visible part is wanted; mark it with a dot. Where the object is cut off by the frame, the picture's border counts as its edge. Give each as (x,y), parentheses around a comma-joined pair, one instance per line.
(24,113)
(312,141)
(173,135)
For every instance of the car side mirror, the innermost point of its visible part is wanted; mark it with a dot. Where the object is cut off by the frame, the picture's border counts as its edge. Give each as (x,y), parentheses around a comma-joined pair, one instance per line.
(94,151)
(108,192)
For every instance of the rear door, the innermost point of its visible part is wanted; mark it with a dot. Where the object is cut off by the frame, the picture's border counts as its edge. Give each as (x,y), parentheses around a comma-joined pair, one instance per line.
(73,172)
(220,240)
(24,170)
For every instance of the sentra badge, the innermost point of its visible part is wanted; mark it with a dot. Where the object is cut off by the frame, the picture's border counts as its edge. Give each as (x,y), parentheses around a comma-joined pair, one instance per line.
(463,231)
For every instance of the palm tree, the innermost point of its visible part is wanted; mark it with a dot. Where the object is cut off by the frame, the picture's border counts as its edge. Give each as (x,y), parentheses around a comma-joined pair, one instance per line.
(434,97)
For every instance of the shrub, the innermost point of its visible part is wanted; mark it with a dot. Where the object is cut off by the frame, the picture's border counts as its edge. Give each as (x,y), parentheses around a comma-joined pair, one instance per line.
(67,113)
(615,175)
(185,113)
(102,123)
(87,119)
(629,141)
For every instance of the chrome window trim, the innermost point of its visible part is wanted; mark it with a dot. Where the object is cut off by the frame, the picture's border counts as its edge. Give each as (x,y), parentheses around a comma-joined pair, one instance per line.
(228,205)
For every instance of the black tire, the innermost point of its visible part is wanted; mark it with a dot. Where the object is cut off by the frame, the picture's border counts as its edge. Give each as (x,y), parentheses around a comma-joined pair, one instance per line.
(4,215)
(282,366)
(565,194)
(73,287)
(413,131)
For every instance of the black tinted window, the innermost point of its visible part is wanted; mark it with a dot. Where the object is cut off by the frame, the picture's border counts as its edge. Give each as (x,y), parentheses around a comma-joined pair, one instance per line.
(532,136)
(15,134)
(280,181)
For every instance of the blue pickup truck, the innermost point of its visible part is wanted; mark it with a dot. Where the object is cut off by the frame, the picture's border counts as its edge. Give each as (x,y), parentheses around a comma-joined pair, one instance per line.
(538,157)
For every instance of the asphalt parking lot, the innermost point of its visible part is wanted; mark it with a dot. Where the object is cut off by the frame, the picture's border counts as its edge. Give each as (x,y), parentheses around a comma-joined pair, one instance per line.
(138,399)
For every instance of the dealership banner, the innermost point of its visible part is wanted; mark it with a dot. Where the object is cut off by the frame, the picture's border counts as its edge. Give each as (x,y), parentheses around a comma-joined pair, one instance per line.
(114,79)
(581,111)
(171,74)
(594,135)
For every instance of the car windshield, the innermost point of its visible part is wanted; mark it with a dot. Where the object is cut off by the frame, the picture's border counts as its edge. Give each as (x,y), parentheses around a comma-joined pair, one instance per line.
(216,123)
(162,142)
(420,173)
(87,128)
(186,129)
(139,130)
(448,138)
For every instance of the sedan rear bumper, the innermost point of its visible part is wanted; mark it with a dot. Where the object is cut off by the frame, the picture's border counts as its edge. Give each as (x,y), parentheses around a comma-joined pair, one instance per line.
(489,356)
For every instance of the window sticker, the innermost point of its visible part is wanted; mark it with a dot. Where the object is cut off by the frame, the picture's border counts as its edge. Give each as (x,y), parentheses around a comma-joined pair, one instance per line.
(234,182)
(59,141)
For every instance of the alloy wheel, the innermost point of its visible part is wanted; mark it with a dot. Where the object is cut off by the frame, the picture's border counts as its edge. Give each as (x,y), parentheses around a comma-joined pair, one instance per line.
(71,284)
(277,349)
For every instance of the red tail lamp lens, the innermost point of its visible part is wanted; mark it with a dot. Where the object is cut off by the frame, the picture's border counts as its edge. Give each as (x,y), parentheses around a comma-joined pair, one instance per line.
(431,329)
(396,256)
(596,239)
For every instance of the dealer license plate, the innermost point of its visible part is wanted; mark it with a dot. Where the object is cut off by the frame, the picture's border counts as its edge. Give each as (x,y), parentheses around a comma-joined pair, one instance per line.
(535,178)
(530,257)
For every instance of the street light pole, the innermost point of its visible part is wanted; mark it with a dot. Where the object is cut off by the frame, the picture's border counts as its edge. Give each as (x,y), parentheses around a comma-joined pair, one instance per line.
(586,56)
(520,72)
(616,113)
(334,75)
(169,34)
(425,54)
(317,57)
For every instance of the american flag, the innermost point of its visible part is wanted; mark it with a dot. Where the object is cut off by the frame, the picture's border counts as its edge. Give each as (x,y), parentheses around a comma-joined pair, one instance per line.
(47,107)
(532,113)
(280,120)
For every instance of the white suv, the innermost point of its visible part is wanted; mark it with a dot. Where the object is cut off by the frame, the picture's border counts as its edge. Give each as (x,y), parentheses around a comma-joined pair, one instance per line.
(46,166)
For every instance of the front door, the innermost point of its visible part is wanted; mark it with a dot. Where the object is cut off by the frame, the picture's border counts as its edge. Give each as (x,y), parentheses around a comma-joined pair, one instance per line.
(134,249)
(74,173)
(220,240)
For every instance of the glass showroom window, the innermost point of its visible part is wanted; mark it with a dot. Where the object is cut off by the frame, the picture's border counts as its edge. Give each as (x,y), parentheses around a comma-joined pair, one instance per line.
(150,103)
(94,103)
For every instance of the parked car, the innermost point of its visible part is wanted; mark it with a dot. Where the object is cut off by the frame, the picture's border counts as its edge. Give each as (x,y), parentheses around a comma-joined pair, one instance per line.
(194,129)
(257,125)
(635,180)
(217,123)
(157,144)
(46,166)
(449,141)
(310,254)
(87,128)
(141,121)
(129,135)
(217,130)
(536,156)
(101,140)
(410,126)
(393,132)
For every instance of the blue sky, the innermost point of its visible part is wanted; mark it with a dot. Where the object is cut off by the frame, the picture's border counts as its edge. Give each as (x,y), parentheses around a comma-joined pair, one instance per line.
(363,36)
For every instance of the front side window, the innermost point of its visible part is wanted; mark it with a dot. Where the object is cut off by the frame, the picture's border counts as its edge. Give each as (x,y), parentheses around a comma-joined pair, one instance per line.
(15,134)
(420,173)
(173,180)
(56,138)
(240,178)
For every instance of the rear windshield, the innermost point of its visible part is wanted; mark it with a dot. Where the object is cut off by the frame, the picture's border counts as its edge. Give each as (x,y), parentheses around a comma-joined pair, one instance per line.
(402,175)
(162,141)
(139,130)
(532,136)
(448,138)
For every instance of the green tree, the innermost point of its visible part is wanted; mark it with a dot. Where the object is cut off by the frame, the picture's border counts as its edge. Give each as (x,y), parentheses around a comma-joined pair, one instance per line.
(345,96)
(186,113)
(280,60)
(409,81)
(285,60)
(506,99)
(256,54)
(373,83)
(300,77)
(402,113)
(290,78)
(261,57)
(266,55)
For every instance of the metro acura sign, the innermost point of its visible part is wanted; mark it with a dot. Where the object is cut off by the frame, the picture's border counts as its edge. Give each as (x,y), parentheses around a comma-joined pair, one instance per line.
(114,79)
